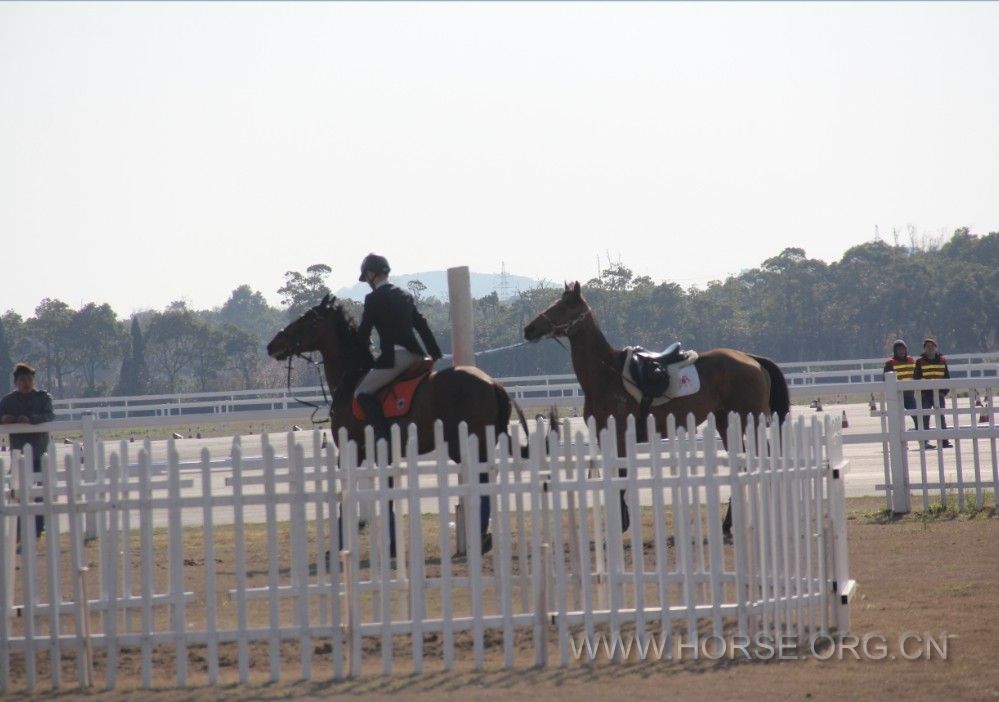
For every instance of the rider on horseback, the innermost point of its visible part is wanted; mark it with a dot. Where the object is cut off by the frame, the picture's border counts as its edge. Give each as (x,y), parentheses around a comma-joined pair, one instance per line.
(392,312)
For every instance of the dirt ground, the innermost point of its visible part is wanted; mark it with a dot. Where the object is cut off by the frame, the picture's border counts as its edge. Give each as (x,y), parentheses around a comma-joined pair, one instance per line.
(934,574)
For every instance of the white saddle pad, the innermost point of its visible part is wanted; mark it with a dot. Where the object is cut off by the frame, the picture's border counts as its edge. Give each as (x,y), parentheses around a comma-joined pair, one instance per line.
(683,379)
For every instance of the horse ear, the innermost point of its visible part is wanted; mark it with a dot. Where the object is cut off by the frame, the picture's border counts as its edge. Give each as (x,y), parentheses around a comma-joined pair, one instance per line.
(566,286)
(326,300)
(575,290)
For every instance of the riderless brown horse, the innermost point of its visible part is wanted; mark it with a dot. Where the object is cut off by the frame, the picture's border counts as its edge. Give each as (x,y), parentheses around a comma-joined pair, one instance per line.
(452,395)
(730,380)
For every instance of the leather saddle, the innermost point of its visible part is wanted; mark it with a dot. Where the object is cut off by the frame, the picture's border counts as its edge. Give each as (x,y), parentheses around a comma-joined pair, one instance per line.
(396,398)
(649,369)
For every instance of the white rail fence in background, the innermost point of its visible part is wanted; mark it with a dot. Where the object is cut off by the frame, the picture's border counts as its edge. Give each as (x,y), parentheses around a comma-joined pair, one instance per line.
(560,565)
(804,378)
(940,472)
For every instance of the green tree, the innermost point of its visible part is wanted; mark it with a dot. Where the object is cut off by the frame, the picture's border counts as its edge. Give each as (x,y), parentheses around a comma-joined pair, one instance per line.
(243,355)
(172,337)
(301,292)
(51,330)
(134,376)
(207,354)
(246,309)
(98,336)
(416,289)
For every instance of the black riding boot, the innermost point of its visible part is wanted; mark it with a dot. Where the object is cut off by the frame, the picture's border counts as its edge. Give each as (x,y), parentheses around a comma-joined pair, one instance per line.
(373,411)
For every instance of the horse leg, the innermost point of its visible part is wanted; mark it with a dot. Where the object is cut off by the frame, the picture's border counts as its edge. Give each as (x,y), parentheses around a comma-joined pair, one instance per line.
(721,422)
(623,473)
(485,503)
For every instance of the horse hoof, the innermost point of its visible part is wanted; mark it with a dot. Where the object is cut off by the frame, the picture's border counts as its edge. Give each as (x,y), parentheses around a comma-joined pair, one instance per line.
(487,543)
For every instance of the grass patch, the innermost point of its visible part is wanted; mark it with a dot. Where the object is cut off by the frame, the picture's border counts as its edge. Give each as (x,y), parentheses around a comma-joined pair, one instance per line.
(957,589)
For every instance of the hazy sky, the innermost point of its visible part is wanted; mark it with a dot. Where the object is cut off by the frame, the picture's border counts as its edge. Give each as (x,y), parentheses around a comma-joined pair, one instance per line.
(153,152)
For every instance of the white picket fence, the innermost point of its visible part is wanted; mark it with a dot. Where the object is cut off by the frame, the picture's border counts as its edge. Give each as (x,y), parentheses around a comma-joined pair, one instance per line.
(969,413)
(560,565)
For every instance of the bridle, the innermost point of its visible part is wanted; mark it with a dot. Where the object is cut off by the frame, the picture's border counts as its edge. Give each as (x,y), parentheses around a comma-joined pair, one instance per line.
(564,328)
(296,350)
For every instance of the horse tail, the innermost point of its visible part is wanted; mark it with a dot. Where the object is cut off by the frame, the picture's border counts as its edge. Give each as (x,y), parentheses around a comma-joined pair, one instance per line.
(506,405)
(780,398)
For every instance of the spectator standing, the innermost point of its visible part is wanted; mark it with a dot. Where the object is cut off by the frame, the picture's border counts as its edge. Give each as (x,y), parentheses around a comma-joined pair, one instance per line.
(903,366)
(931,365)
(26,405)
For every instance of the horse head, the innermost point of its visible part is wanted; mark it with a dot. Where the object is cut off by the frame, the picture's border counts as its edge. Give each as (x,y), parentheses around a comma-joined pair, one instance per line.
(561,317)
(326,327)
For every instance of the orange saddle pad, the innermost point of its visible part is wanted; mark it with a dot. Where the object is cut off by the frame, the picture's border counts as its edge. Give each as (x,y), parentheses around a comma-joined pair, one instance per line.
(397,396)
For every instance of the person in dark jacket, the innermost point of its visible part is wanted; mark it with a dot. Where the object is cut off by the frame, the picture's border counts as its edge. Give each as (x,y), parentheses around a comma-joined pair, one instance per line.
(392,312)
(26,405)
(931,365)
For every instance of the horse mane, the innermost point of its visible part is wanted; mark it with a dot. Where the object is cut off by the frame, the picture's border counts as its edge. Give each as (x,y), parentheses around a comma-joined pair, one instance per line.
(357,356)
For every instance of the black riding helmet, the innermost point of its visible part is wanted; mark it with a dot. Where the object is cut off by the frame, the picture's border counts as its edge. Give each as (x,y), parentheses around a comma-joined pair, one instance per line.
(375,263)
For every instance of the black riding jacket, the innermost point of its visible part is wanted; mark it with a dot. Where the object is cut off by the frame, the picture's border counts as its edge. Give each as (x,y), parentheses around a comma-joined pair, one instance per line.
(393,313)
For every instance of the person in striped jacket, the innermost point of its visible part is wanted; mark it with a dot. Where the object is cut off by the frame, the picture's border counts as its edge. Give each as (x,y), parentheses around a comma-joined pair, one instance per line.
(903,366)
(931,365)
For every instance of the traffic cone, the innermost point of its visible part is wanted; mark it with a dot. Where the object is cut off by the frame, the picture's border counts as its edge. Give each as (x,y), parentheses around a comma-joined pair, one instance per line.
(846,423)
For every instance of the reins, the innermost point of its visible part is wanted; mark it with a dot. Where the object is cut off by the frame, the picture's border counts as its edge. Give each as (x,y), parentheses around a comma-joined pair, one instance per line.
(564,329)
(322,386)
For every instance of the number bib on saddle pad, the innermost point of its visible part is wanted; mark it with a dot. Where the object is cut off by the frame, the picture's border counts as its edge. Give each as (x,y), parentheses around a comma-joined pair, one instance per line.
(397,396)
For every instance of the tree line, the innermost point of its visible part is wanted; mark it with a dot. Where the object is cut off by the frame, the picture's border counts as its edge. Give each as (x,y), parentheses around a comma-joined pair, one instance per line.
(790,308)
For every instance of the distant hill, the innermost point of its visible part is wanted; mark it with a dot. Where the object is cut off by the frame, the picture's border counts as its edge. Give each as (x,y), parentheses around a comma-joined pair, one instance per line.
(436,281)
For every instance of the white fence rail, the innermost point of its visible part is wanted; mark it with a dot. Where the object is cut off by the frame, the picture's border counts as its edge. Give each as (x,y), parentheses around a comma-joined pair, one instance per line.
(804,378)
(561,565)
(940,472)
(965,418)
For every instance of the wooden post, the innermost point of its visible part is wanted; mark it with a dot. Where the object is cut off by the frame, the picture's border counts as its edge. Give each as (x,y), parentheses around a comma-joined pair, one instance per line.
(462,328)
(462,349)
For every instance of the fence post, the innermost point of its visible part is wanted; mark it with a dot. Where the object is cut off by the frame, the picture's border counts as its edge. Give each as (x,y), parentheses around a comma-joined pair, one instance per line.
(901,501)
(844,587)
(89,472)
(7,567)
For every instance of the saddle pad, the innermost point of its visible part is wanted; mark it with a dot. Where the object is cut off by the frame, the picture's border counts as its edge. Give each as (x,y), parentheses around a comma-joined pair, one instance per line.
(396,398)
(683,379)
